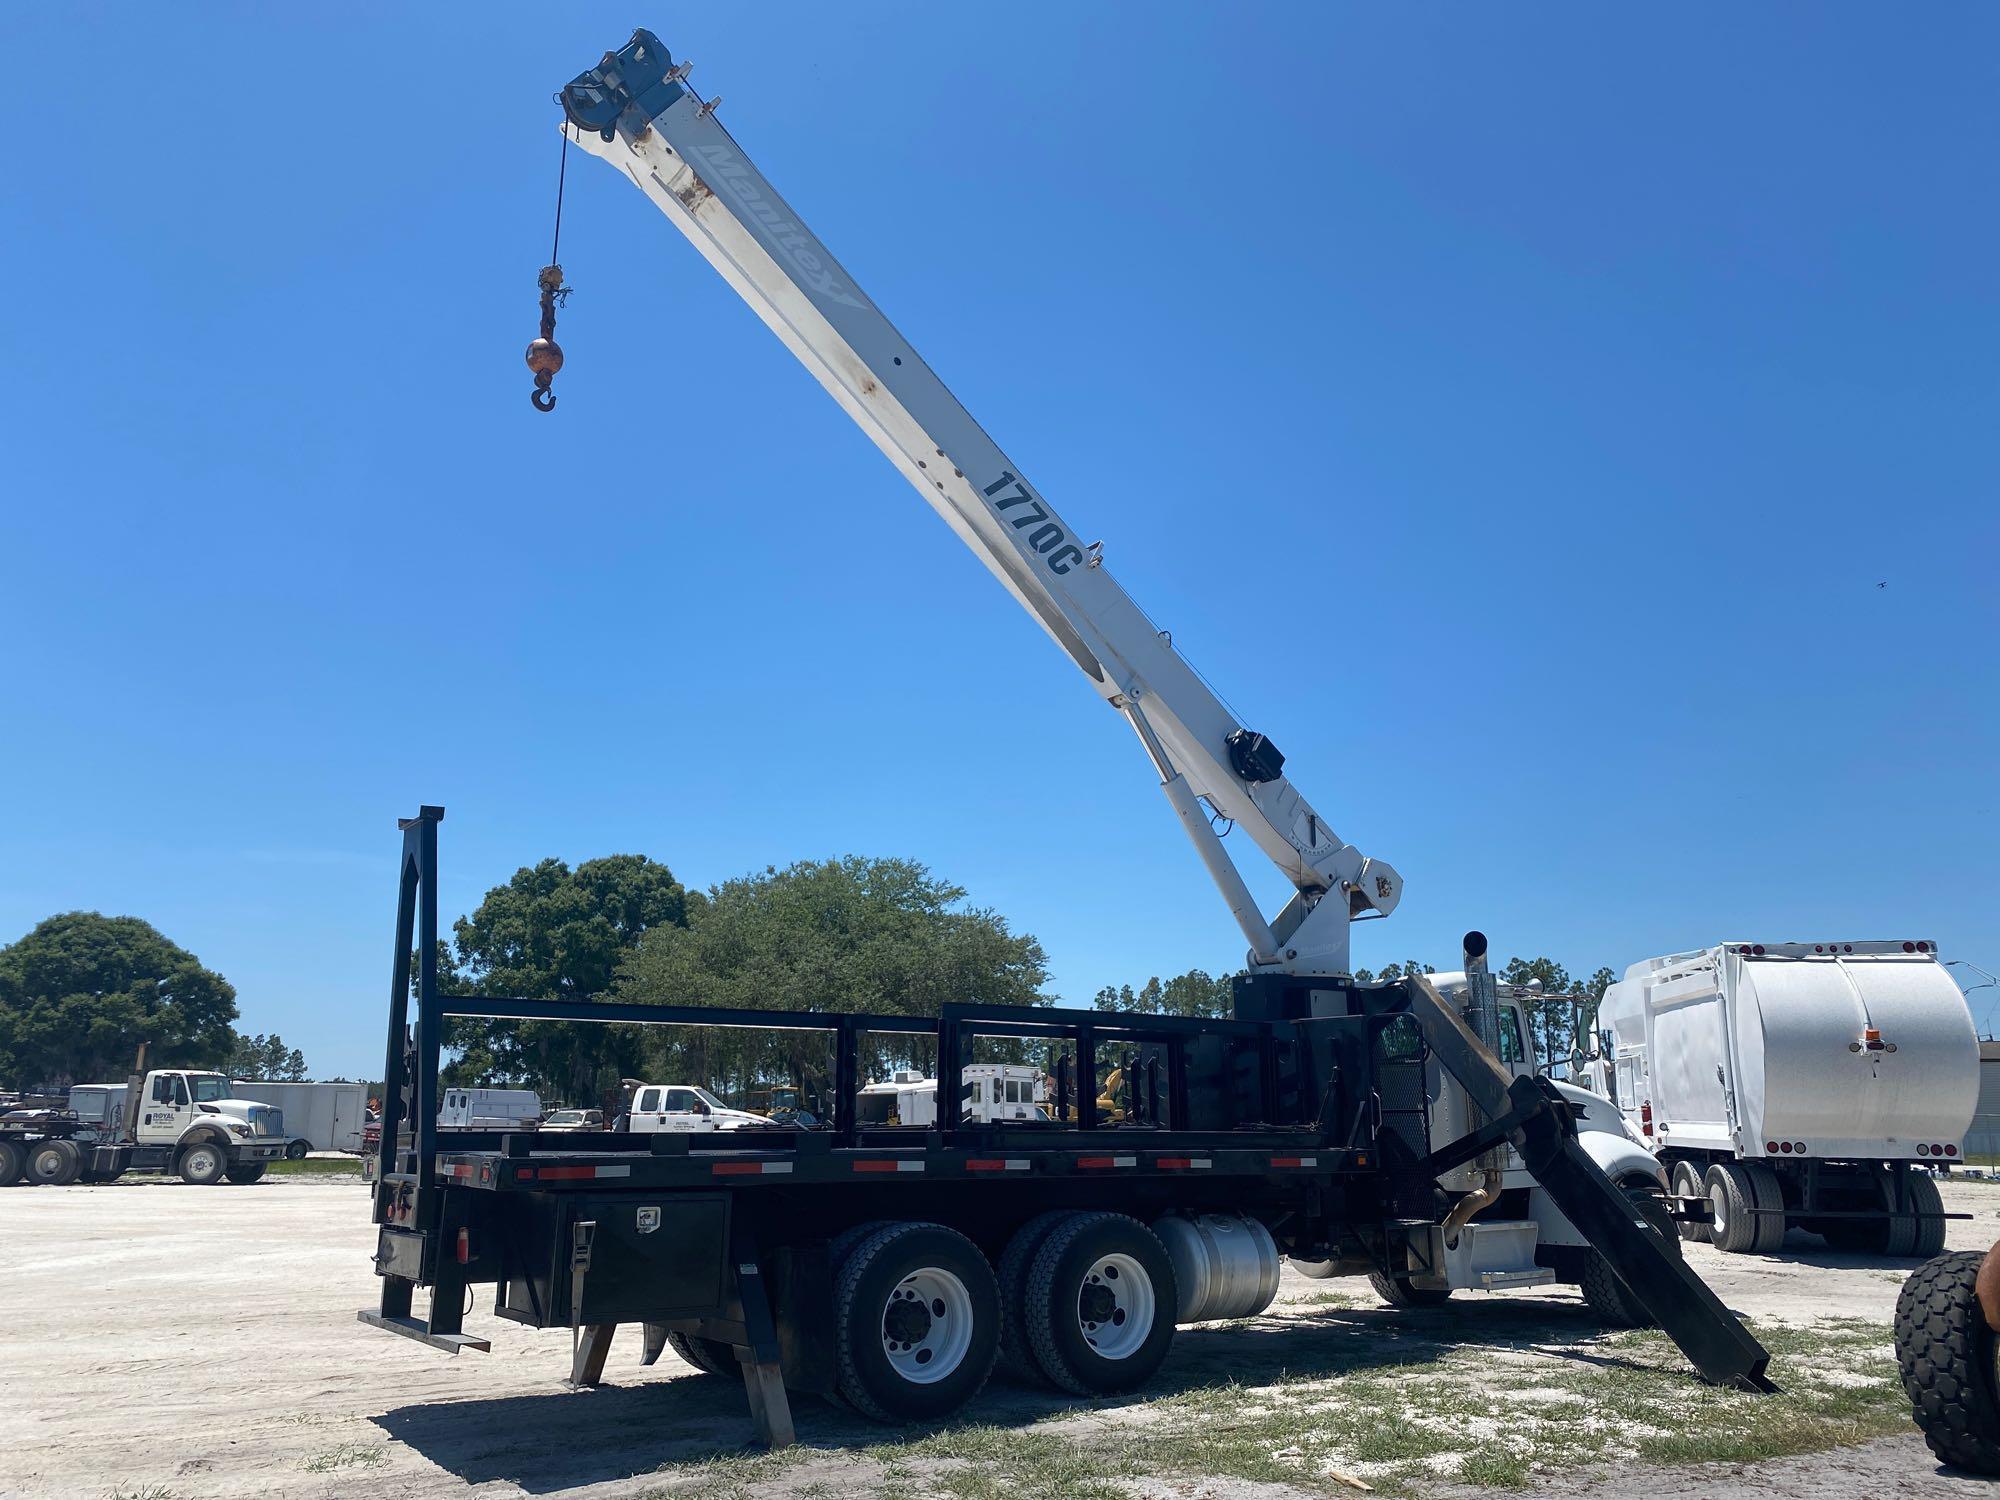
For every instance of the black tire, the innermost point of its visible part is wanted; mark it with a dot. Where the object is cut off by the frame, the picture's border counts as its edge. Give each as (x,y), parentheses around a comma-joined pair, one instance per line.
(1768,1194)
(1913,1236)
(1400,1291)
(1101,1304)
(710,1356)
(246,1173)
(12,1161)
(1732,1196)
(53,1163)
(1317,1270)
(1604,1290)
(1015,1262)
(296,1150)
(1688,1183)
(1947,1357)
(202,1163)
(891,1290)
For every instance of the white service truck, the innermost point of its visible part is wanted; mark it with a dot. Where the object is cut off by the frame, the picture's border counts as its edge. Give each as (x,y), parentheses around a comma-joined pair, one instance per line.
(987,1092)
(182,1122)
(1798,1085)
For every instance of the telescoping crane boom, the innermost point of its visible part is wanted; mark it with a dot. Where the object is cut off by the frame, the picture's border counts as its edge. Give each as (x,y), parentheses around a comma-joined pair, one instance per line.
(636,111)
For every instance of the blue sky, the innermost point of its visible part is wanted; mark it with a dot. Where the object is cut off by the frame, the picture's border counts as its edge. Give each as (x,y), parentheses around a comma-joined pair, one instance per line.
(1517,413)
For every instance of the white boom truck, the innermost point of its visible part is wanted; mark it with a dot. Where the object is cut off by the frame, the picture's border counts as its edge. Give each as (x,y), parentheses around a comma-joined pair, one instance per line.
(187,1123)
(1798,1084)
(636,112)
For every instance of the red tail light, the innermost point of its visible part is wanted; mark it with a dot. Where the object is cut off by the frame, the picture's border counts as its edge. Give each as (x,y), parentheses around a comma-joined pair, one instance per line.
(1771,1148)
(1951,1150)
(1646,1117)
(464,1248)
(1909,947)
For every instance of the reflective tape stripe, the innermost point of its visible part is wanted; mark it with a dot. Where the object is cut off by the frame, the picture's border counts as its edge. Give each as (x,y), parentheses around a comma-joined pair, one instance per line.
(1099,1162)
(888,1166)
(1295,1161)
(1183,1163)
(572,1174)
(998,1164)
(748,1168)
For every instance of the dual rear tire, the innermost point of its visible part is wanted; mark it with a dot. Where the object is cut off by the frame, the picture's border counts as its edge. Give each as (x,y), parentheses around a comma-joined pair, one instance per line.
(1083,1301)
(1748,1205)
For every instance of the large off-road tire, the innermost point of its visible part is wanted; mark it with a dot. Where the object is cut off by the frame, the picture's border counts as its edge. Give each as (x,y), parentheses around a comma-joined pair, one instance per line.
(710,1356)
(53,1163)
(246,1173)
(1603,1289)
(916,1319)
(1732,1195)
(1318,1270)
(1101,1304)
(1687,1183)
(1015,1262)
(1948,1359)
(202,1163)
(12,1160)
(1399,1291)
(296,1150)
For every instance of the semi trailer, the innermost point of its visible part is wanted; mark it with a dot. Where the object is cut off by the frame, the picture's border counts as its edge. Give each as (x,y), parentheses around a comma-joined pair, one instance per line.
(1810,1085)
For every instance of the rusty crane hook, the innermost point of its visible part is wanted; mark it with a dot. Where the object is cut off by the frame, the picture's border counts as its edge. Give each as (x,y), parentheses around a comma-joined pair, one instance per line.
(545,355)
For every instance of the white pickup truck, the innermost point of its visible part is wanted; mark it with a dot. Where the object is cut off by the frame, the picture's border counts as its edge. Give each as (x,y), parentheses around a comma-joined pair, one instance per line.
(668,1107)
(1798,1084)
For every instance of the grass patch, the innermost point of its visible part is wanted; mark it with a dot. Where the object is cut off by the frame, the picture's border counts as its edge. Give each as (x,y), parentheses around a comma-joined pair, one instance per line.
(316,1166)
(142,1492)
(347,1456)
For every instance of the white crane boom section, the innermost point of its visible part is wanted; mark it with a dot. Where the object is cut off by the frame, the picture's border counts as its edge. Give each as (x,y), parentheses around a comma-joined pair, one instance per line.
(635,112)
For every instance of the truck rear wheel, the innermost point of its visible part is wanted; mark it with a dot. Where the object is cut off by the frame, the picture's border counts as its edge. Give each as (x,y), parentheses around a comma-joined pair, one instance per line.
(1732,1193)
(1603,1289)
(1948,1356)
(201,1164)
(1101,1304)
(916,1317)
(710,1356)
(296,1150)
(1909,1235)
(12,1161)
(1687,1183)
(246,1173)
(1015,1262)
(54,1163)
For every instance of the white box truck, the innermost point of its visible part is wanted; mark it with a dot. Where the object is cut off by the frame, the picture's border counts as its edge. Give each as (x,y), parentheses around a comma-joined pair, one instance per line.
(1798,1085)
(318,1116)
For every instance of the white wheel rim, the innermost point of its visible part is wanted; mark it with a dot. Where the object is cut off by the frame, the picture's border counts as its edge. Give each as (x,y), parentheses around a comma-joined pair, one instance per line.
(1720,1201)
(1115,1305)
(927,1325)
(201,1159)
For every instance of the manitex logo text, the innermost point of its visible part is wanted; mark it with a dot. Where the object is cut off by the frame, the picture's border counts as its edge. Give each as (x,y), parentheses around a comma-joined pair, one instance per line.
(738,176)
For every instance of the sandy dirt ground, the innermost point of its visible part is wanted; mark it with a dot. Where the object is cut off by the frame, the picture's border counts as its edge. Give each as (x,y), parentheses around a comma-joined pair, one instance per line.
(170,1342)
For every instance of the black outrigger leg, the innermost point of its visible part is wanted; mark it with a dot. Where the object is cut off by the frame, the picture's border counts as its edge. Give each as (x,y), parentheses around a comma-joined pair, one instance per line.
(763,1377)
(1538,1124)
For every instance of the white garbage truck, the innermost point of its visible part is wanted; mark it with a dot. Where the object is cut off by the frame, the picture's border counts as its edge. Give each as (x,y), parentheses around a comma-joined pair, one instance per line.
(1799,1085)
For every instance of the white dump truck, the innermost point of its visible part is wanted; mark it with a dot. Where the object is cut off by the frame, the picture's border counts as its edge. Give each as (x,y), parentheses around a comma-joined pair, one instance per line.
(1798,1085)
(185,1123)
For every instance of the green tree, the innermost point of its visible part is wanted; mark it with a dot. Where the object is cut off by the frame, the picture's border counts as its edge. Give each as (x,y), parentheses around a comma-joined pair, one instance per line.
(1195,993)
(266,1059)
(883,936)
(82,991)
(553,933)
(1395,971)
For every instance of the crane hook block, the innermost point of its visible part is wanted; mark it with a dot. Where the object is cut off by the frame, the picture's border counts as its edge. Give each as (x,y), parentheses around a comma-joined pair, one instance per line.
(545,355)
